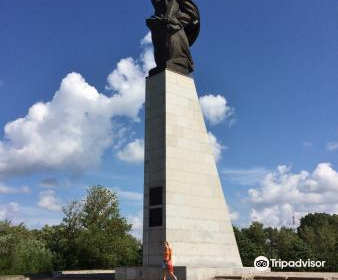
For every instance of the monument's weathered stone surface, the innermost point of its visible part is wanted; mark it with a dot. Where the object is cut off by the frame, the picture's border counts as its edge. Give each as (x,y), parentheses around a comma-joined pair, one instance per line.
(183,197)
(178,158)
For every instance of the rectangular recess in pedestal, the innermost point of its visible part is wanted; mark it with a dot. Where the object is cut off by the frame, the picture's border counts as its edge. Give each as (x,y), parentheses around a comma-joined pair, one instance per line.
(178,157)
(155,217)
(156,196)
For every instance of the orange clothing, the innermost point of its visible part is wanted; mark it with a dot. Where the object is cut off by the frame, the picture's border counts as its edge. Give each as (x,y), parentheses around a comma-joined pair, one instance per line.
(167,254)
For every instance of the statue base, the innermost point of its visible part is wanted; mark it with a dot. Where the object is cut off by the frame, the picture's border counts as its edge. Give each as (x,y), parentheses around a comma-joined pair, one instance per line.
(178,66)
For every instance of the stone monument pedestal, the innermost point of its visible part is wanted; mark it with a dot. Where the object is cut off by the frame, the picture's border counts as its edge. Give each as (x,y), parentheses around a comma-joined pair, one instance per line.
(183,197)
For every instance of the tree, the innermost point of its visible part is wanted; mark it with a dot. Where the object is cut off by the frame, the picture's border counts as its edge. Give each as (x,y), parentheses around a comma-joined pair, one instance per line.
(31,256)
(248,249)
(56,241)
(291,247)
(256,233)
(21,252)
(315,239)
(320,232)
(106,237)
(93,235)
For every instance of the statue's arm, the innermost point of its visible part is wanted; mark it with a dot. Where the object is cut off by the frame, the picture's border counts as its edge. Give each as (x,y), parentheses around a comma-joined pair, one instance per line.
(154,21)
(172,9)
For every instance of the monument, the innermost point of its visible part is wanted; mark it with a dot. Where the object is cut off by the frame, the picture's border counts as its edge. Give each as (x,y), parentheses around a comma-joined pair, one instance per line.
(183,197)
(174,27)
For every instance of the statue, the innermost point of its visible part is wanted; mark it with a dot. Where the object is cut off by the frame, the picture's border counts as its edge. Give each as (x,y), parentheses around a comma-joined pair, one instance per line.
(174,28)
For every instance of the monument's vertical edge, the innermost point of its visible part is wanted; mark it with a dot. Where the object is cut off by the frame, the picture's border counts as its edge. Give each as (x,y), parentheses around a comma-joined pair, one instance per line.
(154,170)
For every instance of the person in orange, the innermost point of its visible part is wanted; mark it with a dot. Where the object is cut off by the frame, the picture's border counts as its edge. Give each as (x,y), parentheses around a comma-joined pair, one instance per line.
(168,265)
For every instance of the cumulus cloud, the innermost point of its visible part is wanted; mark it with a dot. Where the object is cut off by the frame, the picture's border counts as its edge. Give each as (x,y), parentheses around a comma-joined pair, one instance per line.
(133,152)
(127,81)
(332,146)
(147,39)
(9,211)
(4,189)
(72,131)
(215,108)
(283,194)
(49,201)
(216,147)
(234,216)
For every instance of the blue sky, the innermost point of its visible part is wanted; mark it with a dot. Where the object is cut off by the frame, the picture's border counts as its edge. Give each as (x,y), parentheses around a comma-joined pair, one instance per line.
(266,72)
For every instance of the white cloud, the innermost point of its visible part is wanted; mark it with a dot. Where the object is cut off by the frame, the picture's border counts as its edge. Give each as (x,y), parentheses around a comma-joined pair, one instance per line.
(137,224)
(216,147)
(127,81)
(332,146)
(215,108)
(69,132)
(72,131)
(245,177)
(49,201)
(133,152)
(234,216)
(282,194)
(4,189)
(147,39)
(32,217)
(9,211)
(125,195)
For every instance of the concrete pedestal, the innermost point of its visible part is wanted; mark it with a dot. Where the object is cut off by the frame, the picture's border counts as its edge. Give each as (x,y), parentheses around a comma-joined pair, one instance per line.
(183,197)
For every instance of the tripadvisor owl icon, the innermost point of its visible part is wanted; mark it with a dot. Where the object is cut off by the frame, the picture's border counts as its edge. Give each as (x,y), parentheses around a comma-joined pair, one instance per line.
(261,263)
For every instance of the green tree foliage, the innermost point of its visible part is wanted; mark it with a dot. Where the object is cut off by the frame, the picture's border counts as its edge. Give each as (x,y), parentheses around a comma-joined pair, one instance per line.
(315,239)
(320,231)
(93,235)
(31,256)
(21,252)
(57,242)
(290,247)
(248,249)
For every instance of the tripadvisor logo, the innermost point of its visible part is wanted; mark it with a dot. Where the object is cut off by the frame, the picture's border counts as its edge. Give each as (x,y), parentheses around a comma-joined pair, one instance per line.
(262,263)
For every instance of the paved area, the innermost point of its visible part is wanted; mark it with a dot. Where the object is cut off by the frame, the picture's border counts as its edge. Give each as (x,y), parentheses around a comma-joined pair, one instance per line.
(283,276)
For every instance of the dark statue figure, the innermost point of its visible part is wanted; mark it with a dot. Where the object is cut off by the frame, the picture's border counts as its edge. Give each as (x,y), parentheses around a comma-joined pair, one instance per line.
(174,28)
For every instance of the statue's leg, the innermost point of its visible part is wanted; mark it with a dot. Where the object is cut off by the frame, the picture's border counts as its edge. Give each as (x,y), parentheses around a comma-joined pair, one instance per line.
(161,52)
(180,59)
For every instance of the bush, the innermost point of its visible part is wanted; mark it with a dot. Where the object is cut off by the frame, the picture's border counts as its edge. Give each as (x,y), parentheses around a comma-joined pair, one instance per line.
(31,256)
(21,252)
